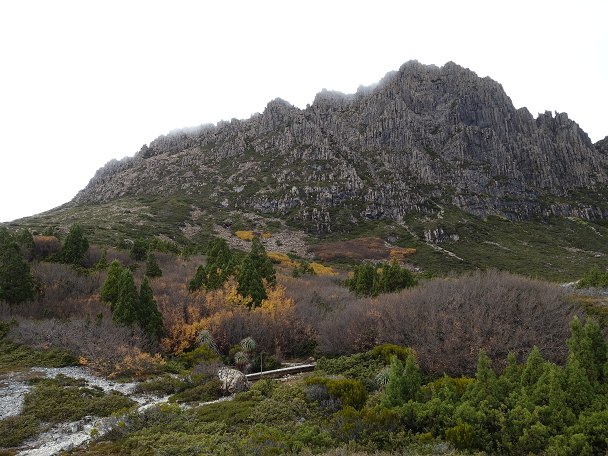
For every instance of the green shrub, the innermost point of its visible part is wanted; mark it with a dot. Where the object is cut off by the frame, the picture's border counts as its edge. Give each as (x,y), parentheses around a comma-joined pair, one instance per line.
(461,436)
(386,351)
(65,399)
(15,429)
(206,392)
(359,366)
(351,393)
(232,413)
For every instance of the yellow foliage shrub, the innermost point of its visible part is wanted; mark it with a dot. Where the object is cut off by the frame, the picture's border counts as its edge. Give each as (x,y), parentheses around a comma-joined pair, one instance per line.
(248,235)
(322,270)
(137,362)
(279,257)
(245,235)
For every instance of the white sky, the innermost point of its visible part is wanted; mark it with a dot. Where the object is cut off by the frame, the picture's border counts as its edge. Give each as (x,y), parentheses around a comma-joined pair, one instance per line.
(83,82)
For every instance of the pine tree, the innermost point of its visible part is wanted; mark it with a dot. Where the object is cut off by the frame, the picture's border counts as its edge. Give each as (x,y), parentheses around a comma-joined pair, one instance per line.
(256,268)
(139,250)
(16,281)
(365,280)
(152,268)
(75,246)
(219,266)
(404,383)
(250,284)
(579,390)
(102,264)
(109,291)
(535,366)
(485,388)
(148,316)
(395,391)
(395,278)
(26,243)
(587,345)
(261,262)
(127,302)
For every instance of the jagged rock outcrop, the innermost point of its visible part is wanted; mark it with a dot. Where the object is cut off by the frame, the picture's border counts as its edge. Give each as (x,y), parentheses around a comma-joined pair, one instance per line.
(422,136)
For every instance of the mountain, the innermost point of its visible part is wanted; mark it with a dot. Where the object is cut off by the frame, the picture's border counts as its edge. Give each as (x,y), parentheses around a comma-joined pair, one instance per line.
(429,154)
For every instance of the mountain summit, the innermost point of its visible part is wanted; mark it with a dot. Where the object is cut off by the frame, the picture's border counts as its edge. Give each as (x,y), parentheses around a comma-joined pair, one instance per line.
(430,159)
(424,136)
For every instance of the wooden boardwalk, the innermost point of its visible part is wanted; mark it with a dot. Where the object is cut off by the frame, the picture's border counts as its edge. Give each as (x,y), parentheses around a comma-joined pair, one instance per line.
(297,369)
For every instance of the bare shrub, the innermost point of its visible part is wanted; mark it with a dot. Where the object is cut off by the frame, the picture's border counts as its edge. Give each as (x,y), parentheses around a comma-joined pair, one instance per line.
(45,246)
(101,343)
(447,321)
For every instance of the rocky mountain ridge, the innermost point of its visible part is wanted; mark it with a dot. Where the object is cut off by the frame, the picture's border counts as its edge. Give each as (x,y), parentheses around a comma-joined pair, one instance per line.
(421,138)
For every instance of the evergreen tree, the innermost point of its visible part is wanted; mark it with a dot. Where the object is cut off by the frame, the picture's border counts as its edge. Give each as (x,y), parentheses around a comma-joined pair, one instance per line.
(261,262)
(152,268)
(588,346)
(148,316)
(535,366)
(365,280)
(127,302)
(16,281)
(579,390)
(197,281)
(139,250)
(404,383)
(594,278)
(485,388)
(250,283)
(512,371)
(395,278)
(75,246)
(219,266)
(395,391)
(256,268)
(26,243)
(109,291)
(102,264)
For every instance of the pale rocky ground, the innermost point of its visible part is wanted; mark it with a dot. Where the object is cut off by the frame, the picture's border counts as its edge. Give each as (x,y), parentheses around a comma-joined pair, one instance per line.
(65,436)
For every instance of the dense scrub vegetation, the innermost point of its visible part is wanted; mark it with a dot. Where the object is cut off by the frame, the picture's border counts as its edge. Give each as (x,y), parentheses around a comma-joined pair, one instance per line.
(401,366)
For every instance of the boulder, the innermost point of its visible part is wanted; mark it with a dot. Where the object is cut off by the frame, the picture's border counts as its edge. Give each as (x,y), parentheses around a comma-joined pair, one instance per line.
(233,381)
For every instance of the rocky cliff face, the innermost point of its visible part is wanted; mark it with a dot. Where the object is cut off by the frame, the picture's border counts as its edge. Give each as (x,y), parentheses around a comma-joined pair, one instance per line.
(421,138)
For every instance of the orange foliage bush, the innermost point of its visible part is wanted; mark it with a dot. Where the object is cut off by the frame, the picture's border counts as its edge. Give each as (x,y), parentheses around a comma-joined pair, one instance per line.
(135,362)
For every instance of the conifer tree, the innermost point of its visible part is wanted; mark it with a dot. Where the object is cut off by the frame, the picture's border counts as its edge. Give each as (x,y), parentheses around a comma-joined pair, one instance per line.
(404,383)
(588,346)
(127,302)
(109,291)
(102,264)
(485,388)
(260,261)
(16,281)
(75,246)
(579,390)
(395,278)
(148,316)
(152,268)
(256,268)
(535,366)
(250,284)
(26,243)
(139,250)
(395,391)
(219,266)
(364,281)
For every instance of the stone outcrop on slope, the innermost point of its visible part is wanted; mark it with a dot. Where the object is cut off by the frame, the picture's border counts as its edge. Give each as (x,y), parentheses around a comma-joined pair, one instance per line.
(423,134)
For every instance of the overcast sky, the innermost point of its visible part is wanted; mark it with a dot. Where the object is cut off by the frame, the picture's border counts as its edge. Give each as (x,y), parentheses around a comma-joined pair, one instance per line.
(83,82)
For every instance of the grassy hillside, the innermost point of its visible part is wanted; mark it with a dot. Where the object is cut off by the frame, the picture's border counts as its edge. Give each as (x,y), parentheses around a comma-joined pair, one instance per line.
(555,248)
